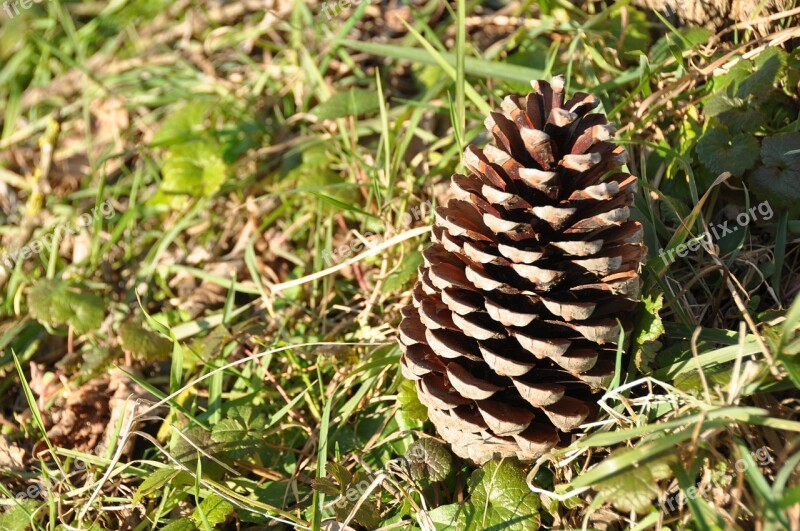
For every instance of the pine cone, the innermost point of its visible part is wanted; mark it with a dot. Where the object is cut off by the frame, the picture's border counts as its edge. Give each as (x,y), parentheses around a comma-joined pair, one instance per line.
(515,315)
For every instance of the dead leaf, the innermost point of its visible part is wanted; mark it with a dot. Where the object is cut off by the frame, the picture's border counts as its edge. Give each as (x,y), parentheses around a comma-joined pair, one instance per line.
(12,457)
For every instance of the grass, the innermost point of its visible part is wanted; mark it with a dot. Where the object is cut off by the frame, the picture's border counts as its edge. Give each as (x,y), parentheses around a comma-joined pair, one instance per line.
(192,361)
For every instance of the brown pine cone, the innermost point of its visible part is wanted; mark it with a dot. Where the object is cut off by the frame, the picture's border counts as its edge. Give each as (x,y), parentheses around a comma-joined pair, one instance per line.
(514,319)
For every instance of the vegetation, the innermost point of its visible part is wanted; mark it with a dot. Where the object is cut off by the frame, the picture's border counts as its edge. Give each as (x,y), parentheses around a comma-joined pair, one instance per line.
(213,212)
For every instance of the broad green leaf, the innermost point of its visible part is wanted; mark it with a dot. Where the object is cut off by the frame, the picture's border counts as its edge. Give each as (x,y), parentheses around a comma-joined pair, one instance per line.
(409,401)
(18,517)
(500,499)
(186,453)
(781,150)
(155,482)
(780,187)
(743,120)
(210,346)
(429,459)
(768,66)
(718,376)
(248,417)
(340,473)
(721,102)
(58,303)
(501,496)
(633,490)
(241,432)
(353,102)
(349,489)
(215,508)
(194,168)
(241,422)
(720,152)
(367,514)
(733,77)
(455,516)
(228,430)
(143,343)
(184,124)
(327,485)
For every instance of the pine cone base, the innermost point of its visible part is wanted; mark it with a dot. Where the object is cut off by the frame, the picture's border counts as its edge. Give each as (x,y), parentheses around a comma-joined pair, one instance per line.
(532,271)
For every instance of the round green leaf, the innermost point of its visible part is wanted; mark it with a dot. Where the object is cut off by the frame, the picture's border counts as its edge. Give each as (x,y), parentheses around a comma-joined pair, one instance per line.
(429,459)
(780,187)
(781,150)
(143,343)
(720,152)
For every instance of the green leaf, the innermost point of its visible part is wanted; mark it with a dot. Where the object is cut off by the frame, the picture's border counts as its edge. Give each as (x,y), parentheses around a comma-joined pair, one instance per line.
(460,516)
(18,517)
(649,328)
(194,168)
(193,165)
(210,346)
(227,430)
(781,150)
(349,489)
(720,152)
(733,77)
(186,451)
(57,303)
(248,417)
(400,276)
(780,187)
(633,490)
(241,432)
(184,124)
(721,102)
(340,473)
(429,459)
(367,514)
(743,120)
(501,497)
(215,508)
(353,102)
(768,66)
(143,343)
(409,401)
(155,482)
(184,524)
(779,180)
(327,485)
(718,376)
